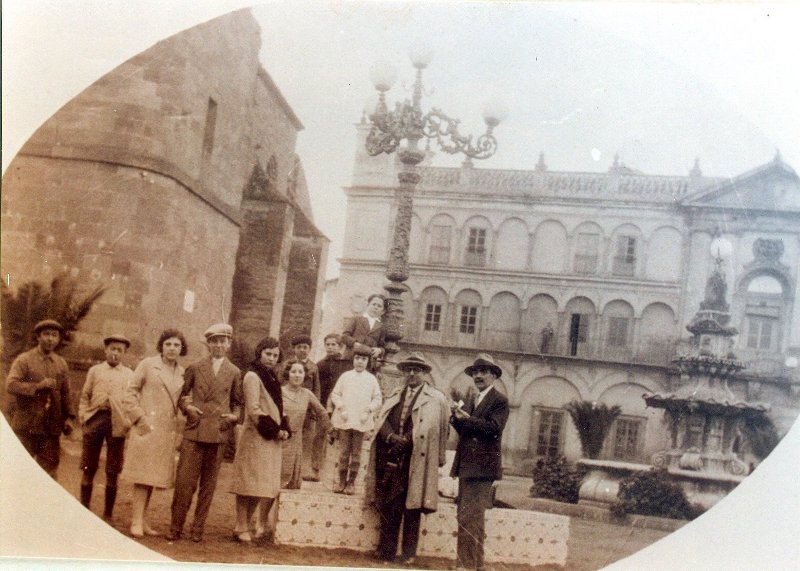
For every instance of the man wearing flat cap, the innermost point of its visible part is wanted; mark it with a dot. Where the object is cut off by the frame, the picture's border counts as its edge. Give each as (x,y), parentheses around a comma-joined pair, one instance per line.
(408,450)
(103,420)
(212,400)
(477,463)
(40,407)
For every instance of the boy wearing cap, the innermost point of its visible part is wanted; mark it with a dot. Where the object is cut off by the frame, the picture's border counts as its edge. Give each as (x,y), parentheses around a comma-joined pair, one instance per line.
(355,398)
(40,408)
(103,419)
(212,401)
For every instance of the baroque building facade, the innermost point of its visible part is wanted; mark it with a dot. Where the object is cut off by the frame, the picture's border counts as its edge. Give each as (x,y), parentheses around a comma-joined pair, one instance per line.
(581,285)
(173,181)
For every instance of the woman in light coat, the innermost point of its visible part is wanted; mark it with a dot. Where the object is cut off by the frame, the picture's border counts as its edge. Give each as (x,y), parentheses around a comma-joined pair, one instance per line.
(151,404)
(257,465)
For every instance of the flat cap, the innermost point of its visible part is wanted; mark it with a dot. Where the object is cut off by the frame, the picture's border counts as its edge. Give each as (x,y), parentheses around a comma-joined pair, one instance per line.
(116,337)
(48,324)
(219,330)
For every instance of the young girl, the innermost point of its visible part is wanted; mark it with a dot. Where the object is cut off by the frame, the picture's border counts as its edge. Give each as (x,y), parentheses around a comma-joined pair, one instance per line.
(298,401)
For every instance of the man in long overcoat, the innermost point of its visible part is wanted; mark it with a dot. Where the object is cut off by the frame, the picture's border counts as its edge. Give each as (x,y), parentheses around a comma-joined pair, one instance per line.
(477,463)
(409,449)
(212,400)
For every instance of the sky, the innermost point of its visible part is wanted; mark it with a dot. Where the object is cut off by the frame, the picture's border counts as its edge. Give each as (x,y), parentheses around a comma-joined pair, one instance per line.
(658,83)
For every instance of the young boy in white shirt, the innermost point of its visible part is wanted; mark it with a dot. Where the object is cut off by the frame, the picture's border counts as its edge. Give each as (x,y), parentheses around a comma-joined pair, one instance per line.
(355,398)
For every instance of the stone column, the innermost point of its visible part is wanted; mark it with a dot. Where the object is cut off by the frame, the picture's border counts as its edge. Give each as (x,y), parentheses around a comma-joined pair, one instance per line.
(304,284)
(259,281)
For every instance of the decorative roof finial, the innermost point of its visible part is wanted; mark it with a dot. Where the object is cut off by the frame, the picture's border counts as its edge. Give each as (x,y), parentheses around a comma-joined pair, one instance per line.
(696,172)
(778,158)
(541,166)
(616,166)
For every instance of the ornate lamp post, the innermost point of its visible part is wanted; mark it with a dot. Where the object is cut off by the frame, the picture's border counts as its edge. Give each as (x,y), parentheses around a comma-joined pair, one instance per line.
(407,122)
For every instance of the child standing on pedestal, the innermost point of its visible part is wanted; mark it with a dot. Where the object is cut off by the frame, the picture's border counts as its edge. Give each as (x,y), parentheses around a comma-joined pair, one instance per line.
(355,398)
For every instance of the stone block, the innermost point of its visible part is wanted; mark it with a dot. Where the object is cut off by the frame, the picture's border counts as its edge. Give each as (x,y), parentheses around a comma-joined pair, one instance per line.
(335,521)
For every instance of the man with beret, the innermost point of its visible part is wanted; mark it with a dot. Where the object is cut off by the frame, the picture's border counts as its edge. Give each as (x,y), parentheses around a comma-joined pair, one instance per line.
(103,419)
(301,347)
(477,463)
(40,407)
(212,400)
(408,450)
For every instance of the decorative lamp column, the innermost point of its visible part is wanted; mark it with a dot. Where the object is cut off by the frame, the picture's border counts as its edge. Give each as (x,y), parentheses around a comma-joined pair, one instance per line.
(400,130)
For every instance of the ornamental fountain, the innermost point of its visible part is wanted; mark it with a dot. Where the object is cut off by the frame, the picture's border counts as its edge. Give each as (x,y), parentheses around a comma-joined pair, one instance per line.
(706,420)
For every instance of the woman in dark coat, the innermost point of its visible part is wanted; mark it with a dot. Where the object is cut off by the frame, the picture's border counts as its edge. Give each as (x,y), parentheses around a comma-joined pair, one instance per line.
(257,465)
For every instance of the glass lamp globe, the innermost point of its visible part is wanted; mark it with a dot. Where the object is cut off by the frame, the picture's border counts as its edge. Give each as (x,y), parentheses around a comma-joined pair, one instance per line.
(494,111)
(383,75)
(421,56)
(721,248)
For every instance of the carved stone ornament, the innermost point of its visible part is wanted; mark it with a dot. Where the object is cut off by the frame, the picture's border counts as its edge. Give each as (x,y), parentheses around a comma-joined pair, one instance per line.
(768,250)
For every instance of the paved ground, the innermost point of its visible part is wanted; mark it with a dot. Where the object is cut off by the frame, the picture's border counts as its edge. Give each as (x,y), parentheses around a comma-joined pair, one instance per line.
(592,545)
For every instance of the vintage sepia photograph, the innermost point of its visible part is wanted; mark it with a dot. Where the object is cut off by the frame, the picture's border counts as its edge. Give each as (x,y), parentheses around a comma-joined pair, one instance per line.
(469,285)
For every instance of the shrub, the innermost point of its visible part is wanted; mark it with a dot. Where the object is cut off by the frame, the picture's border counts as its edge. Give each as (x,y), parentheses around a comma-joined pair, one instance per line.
(556,479)
(652,493)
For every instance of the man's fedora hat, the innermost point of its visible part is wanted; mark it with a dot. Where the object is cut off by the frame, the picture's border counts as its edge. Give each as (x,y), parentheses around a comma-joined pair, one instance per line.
(484,361)
(415,359)
(48,324)
(118,339)
(219,330)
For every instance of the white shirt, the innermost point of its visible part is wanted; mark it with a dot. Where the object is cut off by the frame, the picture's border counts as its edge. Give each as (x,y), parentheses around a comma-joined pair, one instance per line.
(482,394)
(371,320)
(216,364)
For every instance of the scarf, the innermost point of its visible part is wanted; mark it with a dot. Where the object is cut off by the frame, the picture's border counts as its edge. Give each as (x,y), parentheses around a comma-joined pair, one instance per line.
(270,382)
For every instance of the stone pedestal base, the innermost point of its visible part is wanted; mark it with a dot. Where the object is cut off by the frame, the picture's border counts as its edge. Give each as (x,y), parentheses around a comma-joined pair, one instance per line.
(335,521)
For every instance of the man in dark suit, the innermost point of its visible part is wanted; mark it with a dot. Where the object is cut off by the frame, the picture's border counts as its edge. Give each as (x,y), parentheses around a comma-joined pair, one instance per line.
(477,463)
(212,400)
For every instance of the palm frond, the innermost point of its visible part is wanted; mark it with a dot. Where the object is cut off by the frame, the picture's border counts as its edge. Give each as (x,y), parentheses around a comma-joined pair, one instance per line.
(592,421)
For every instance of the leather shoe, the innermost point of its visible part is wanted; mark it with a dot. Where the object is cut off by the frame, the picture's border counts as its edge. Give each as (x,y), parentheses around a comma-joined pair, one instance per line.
(243,537)
(149,530)
(409,561)
(173,535)
(136,530)
(197,536)
(350,489)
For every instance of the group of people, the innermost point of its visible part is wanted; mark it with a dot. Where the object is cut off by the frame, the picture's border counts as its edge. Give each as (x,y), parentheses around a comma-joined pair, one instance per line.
(283,407)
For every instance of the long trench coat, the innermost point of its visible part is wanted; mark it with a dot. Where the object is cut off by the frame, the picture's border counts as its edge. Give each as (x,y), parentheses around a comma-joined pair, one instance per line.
(153,394)
(429,415)
(257,465)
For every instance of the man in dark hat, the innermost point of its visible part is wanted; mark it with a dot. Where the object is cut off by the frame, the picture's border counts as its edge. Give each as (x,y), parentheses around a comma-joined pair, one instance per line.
(103,420)
(409,449)
(212,399)
(40,408)
(477,463)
